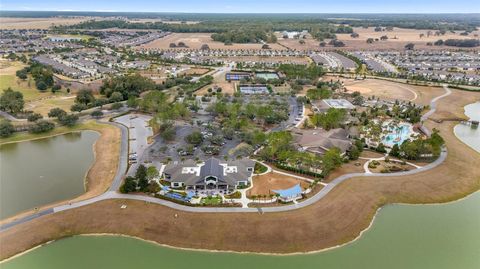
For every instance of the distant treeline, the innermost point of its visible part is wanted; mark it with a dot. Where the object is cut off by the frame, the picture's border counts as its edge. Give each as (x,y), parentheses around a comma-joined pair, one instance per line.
(236,31)
(464,43)
(416,24)
(244,36)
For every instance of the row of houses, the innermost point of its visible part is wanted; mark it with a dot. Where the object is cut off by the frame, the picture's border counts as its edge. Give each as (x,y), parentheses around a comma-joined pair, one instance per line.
(333,61)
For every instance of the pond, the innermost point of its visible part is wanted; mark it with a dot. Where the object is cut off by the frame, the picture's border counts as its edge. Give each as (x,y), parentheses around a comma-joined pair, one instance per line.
(468,134)
(39,172)
(441,236)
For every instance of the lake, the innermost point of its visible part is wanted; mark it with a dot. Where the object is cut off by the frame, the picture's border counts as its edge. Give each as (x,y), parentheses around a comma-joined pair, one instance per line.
(467,134)
(39,172)
(441,236)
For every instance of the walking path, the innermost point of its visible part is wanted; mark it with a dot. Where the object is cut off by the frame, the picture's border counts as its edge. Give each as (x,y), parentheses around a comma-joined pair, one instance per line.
(112,194)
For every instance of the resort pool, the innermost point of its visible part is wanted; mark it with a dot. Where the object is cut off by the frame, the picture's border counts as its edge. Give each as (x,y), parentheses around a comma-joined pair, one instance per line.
(397,135)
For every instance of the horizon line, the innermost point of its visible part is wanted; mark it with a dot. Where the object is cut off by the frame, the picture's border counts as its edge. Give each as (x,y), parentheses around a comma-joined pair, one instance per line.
(300,13)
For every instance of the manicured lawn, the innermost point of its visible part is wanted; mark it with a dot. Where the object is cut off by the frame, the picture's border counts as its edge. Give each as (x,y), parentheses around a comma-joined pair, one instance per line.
(27,87)
(211,200)
(235,195)
(260,168)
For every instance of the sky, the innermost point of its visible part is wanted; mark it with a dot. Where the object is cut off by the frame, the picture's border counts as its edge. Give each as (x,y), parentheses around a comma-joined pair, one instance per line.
(250,6)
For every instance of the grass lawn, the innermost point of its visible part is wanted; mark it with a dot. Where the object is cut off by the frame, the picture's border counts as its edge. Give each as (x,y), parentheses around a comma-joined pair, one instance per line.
(27,87)
(44,106)
(88,125)
(260,168)
(83,37)
(211,200)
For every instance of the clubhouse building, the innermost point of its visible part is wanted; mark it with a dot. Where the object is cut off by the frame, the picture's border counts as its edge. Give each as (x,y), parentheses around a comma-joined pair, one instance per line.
(213,174)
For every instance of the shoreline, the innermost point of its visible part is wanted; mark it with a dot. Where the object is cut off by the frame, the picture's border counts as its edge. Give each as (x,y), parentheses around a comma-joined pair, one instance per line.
(455,127)
(358,237)
(421,189)
(85,180)
(82,127)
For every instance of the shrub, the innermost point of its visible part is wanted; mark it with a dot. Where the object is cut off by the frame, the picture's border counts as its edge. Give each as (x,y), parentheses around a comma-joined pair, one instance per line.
(41,127)
(68,120)
(34,117)
(96,114)
(78,107)
(116,106)
(56,112)
(6,128)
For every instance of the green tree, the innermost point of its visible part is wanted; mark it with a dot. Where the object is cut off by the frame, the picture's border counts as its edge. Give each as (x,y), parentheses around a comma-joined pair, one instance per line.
(130,185)
(132,102)
(141,176)
(395,151)
(96,114)
(152,172)
(41,85)
(56,88)
(68,120)
(34,117)
(330,119)
(194,138)
(116,97)
(78,107)
(84,97)
(331,160)
(42,126)
(56,112)
(6,128)
(116,106)
(11,101)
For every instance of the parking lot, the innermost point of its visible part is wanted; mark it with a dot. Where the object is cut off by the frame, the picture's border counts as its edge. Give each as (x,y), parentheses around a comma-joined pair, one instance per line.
(138,133)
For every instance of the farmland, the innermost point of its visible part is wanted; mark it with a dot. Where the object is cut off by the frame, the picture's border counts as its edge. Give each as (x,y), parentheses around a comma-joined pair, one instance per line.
(196,40)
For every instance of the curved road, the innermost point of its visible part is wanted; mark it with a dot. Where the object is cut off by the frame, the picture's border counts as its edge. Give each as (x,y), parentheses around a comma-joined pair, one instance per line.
(113,194)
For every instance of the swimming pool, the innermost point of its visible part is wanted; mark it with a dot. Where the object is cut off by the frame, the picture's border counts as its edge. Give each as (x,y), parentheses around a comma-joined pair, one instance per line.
(396,135)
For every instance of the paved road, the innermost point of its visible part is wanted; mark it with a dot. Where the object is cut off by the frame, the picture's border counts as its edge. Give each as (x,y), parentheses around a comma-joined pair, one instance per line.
(8,116)
(433,108)
(112,194)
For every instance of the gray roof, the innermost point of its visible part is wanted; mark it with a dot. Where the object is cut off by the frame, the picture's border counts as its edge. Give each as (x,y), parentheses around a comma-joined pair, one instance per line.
(320,138)
(211,167)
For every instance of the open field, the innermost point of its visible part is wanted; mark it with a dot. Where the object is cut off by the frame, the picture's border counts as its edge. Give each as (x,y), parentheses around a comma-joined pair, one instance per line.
(194,71)
(397,38)
(196,40)
(390,90)
(265,184)
(219,81)
(44,106)
(83,37)
(337,218)
(294,44)
(38,23)
(269,59)
(26,87)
